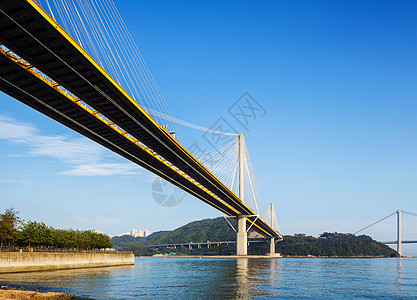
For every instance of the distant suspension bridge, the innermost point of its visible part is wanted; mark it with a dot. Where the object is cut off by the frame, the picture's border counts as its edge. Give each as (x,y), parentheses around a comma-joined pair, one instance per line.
(399,229)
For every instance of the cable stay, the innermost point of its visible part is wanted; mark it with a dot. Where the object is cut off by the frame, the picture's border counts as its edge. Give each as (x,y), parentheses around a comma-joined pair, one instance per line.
(408,224)
(163,116)
(98,27)
(224,163)
(375,223)
(409,213)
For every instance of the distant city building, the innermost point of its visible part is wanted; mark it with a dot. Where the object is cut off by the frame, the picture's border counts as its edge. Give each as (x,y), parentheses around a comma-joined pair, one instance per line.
(140,233)
(137,233)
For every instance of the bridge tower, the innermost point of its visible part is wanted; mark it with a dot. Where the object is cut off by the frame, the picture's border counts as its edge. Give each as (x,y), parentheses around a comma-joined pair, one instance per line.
(242,235)
(272,244)
(399,246)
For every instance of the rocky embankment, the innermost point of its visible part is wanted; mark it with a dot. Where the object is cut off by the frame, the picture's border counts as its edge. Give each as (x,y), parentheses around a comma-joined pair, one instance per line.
(6,294)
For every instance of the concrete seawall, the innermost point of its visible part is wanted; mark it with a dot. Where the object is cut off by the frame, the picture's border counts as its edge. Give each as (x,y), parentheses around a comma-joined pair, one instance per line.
(11,262)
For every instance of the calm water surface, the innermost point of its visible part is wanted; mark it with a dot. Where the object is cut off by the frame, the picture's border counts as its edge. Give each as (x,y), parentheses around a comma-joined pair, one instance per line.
(195,278)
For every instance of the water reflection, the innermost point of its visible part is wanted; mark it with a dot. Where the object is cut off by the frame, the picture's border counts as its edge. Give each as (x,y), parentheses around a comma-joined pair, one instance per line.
(242,278)
(275,272)
(257,277)
(399,273)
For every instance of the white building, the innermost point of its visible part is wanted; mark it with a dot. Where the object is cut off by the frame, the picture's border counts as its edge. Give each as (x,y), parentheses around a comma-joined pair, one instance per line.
(140,233)
(137,233)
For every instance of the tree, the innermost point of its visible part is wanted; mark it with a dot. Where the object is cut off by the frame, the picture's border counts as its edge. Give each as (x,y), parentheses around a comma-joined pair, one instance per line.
(9,225)
(36,234)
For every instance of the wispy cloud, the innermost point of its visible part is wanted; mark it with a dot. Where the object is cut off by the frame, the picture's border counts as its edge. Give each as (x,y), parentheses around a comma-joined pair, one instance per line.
(17,181)
(84,157)
(102,169)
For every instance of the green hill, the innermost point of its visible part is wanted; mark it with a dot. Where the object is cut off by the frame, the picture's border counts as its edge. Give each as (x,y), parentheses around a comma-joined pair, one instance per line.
(128,240)
(328,244)
(198,232)
(333,244)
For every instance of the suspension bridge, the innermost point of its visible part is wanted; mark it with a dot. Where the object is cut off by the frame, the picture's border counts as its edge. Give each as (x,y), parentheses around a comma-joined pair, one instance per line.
(75,62)
(399,229)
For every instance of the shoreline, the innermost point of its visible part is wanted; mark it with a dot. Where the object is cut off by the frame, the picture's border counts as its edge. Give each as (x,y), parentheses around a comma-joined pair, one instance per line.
(14,293)
(219,256)
(16,262)
(265,256)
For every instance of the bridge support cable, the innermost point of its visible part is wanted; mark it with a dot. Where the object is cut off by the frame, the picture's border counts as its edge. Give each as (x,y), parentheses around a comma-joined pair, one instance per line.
(224,162)
(161,115)
(407,222)
(409,213)
(366,227)
(98,26)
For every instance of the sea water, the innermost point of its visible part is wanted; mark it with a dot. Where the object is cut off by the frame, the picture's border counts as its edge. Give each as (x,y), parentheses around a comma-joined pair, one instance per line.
(243,278)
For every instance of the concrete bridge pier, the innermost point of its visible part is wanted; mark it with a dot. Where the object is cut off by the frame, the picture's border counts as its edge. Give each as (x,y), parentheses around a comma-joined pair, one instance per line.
(242,236)
(272,247)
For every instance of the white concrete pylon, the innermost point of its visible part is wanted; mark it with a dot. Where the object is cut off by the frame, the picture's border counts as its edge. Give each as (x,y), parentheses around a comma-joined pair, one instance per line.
(272,244)
(242,235)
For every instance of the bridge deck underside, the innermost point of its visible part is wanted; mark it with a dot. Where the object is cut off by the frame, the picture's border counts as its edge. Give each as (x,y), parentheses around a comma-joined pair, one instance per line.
(396,242)
(30,33)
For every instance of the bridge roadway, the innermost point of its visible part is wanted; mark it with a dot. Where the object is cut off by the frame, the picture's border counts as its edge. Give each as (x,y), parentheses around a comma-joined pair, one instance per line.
(403,242)
(47,70)
(208,244)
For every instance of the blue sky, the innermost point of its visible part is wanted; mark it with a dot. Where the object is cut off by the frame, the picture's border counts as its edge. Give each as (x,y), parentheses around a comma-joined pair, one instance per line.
(335,151)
